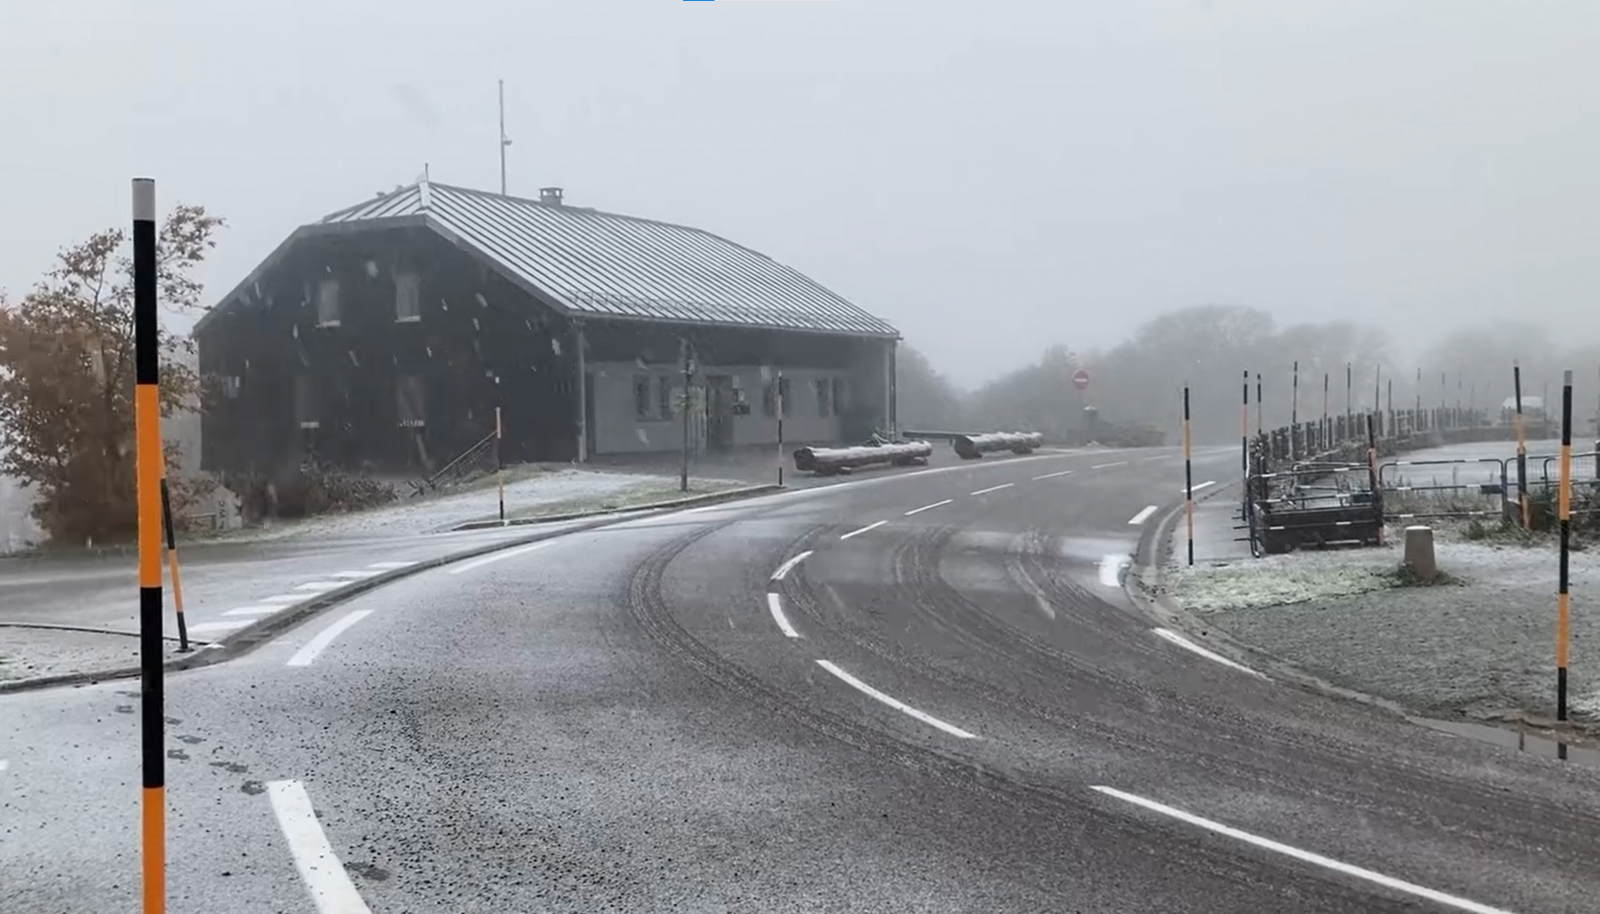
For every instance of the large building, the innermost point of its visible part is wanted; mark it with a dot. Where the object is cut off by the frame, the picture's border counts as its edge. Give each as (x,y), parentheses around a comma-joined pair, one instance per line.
(384,336)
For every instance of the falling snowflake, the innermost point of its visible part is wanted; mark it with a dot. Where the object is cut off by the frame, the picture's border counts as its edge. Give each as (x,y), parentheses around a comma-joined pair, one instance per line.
(555,345)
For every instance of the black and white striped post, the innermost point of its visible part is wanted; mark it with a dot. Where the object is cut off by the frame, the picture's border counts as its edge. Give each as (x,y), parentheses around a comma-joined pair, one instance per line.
(1564,514)
(1259,424)
(1294,411)
(1522,448)
(499,466)
(1188,475)
(777,396)
(1322,430)
(1244,431)
(172,562)
(1349,401)
(147,480)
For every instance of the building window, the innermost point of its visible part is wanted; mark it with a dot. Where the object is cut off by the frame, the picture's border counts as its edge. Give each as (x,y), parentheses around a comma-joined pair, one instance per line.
(784,403)
(823,390)
(838,396)
(328,302)
(407,298)
(664,397)
(305,401)
(230,387)
(411,402)
(641,396)
(769,398)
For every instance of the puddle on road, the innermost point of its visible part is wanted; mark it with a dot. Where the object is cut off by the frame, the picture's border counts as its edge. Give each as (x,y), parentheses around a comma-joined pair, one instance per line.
(1519,740)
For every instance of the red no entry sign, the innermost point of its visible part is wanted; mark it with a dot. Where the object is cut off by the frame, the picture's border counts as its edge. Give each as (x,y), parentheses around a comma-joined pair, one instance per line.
(1080,379)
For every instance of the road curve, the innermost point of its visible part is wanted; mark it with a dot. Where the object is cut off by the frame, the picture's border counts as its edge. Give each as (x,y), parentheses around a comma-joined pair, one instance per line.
(922,692)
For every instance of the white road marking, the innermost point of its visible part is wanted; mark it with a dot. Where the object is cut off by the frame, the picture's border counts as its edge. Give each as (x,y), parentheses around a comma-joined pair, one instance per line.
(1142,516)
(895,703)
(1101,466)
(937,504)
(317,645)
(4,765)
(226,626)
(319,586)
(774,603)
(497,556)
(252,610)
(391,566)
(1203,485)
(1188,645)
(284,598)
(355,575)
(1157,457)
(786,567)
(330,886)
(1052,475)
(1004,485)
(863,529)
(1111,570)
(1389,882)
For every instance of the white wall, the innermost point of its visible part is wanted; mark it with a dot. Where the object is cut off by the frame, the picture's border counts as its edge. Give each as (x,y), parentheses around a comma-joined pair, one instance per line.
(619,430)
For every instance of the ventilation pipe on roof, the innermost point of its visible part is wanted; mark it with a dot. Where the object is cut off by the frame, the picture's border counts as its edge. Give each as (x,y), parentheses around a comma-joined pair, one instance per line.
(550,196)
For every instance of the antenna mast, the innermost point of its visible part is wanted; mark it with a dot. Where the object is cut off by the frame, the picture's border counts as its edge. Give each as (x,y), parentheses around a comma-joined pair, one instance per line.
(504,140)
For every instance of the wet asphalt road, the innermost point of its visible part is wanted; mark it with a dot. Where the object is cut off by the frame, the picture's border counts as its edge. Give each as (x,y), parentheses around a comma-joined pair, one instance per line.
(616,721)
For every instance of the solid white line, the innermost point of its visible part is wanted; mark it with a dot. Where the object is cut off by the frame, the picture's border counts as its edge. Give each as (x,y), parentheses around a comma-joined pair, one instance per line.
(317,645)
(774,603)
(355,575)
(863,529)
(1188,645)
(894,702)
(937,504)
(252,610)
(1399,885)
(1101,466)
(390,566)
(1004,485)
(1203,485)
(1142,516)
(497,556)
(1111,570)
(319,586)
(786,567)
(1052,475)
(204,627)
(330,886)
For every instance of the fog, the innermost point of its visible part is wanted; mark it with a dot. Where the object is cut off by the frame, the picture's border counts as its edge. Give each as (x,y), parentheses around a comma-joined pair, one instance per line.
(992,178)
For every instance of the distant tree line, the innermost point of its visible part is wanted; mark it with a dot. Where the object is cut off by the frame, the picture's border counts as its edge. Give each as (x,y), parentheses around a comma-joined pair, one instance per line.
(1137,384)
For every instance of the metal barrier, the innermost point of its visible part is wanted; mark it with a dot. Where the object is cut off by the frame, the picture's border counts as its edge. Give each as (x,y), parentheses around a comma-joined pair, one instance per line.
(1492,485)
(1315,502)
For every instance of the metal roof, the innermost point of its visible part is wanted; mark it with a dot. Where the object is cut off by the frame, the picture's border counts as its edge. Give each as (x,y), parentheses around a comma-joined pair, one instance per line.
(608,265)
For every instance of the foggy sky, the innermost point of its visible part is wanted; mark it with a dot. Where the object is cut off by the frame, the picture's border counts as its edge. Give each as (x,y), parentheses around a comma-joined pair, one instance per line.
(989,176)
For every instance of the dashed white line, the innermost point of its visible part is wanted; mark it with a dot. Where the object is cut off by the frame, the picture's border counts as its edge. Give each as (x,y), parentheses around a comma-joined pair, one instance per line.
(252,610)
(1157,457)
(1199,486)
(786,567)
(1052,475)
(317,645)
(330,886)
(863,529)
(225,626)
(499,556)
(895,703)
(391,566)
(1111,570)
(1142,516)
(319,586)
(937,504)
(1389,882)
(1188,645)
(1003,485)
(1101,466)
(775,603)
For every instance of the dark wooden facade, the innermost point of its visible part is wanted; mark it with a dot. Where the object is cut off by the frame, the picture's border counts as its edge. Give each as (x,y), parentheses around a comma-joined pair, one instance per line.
(388,389)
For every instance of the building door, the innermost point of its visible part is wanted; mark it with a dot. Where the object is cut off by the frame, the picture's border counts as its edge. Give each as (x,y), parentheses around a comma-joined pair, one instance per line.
(719,412)
(588,415)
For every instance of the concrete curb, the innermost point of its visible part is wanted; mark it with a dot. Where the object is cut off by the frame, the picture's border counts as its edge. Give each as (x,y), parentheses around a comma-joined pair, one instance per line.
(264,630)
(709,498)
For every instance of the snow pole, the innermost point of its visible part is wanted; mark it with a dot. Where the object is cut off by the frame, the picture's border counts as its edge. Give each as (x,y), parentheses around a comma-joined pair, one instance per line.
(1522,447)
(1188,475)
(1564,513)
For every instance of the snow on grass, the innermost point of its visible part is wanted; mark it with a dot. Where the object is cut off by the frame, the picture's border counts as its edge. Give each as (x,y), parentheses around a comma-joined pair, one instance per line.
(570,489)
(1279,580)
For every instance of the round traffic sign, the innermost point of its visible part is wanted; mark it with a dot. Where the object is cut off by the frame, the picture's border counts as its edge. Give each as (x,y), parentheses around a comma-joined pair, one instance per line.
(1080,379)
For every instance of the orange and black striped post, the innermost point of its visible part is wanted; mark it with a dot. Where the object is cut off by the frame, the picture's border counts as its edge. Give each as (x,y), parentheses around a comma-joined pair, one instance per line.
(1565,516)
(1244,431)
(1188,475)
(499,468)
(1522,448)
(147,457)
(172,561)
